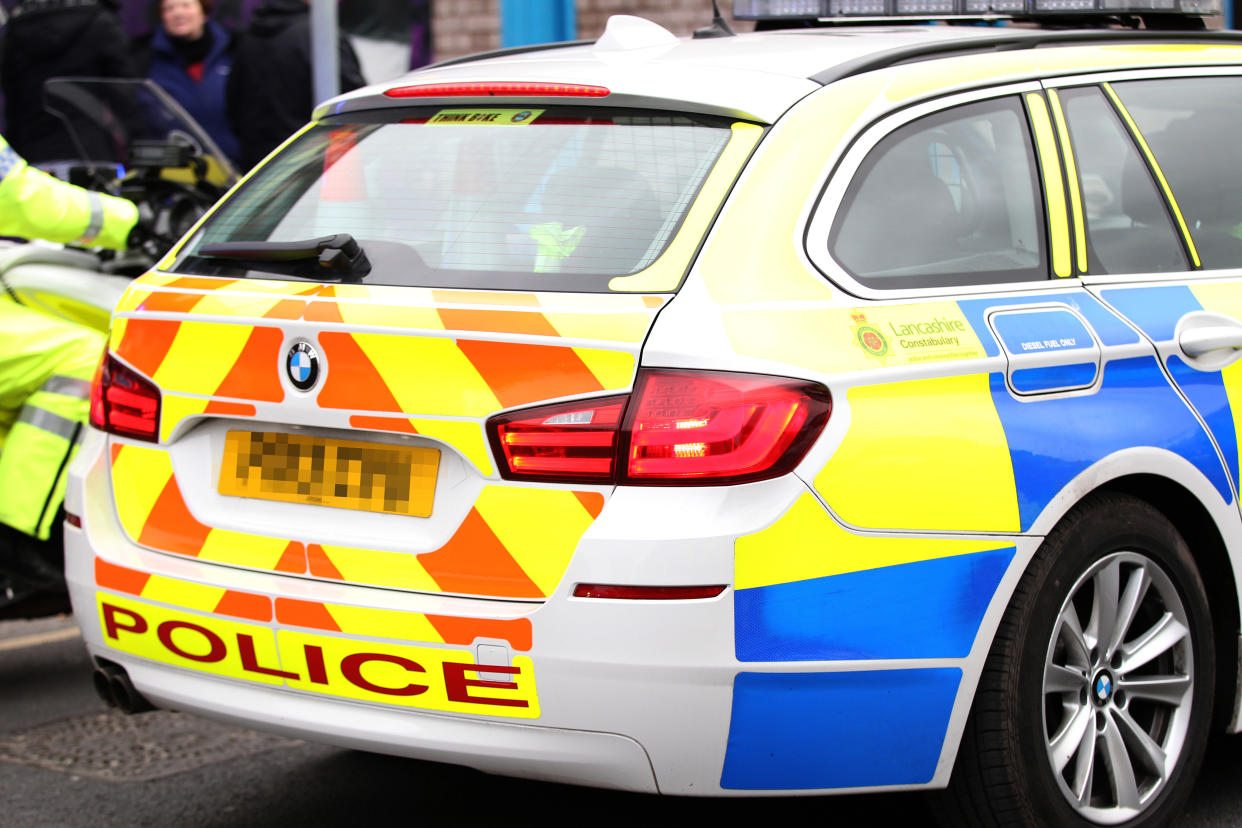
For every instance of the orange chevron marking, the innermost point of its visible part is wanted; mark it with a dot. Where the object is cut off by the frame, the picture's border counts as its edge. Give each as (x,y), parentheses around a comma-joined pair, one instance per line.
(254,375)
(293,559)
(323,312)
(519,373)
(120,578)
(305,614)
(170,527)
(475,562)
(171,302)
(352,381)
(465,630)
(479,297)
(229,409)
(593,502)
(383,423)
(146,343)
(116,452)
(320,564)
(245,605)
(286,309)
(201,283)
(515,322)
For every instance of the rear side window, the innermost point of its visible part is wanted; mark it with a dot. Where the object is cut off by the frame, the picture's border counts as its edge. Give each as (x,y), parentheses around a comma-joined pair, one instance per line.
(1129,229)
(948,199)
(507,198)
(1193,126)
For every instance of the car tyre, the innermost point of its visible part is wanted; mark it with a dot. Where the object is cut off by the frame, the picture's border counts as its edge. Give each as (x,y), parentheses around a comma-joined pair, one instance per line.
(1094,705)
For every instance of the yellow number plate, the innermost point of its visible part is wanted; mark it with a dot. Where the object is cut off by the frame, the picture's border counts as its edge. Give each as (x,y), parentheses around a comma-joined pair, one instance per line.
(346,474)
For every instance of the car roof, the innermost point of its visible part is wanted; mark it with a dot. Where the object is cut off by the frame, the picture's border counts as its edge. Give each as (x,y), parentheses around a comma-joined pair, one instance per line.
(756,76)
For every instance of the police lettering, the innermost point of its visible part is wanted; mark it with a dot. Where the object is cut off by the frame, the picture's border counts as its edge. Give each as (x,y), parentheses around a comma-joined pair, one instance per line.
(197,643)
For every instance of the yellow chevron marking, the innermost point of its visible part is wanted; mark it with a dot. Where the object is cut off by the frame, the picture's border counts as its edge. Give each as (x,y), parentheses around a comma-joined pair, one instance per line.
(612,327)
(182,593)
(242,549)
(429,375)
(613,369)
(201,356)
(379,568)
(395,316)
(138,477)
(382,623)
(174,408)
(543,551)
(466,437)
(118,331)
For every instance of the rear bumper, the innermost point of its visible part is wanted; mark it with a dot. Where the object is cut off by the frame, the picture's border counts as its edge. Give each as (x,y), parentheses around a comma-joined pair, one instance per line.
(654,696)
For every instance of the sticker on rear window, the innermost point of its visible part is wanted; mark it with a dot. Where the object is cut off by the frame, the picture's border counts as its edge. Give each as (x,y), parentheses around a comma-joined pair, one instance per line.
(501,117)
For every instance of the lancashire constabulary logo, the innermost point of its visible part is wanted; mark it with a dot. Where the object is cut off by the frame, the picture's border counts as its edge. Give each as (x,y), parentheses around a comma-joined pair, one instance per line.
(302,366)
(868,336)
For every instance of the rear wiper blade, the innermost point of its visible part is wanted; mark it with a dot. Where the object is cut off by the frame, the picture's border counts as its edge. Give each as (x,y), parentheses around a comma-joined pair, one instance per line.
(340,255)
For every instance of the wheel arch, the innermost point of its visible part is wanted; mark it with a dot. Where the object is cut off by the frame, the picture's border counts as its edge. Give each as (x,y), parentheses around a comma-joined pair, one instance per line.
(1207,546)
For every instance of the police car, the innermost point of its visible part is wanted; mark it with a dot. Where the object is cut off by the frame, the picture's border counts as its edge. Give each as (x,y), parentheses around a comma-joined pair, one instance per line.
(822,409)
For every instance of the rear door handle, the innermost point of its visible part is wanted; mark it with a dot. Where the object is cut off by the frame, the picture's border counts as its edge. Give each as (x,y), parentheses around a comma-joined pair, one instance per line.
(1200,341)
(1209,341)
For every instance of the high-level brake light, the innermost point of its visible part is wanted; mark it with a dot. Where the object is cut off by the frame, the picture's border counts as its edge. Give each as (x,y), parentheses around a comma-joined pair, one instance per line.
(498,88)
(124,403)
(678,427)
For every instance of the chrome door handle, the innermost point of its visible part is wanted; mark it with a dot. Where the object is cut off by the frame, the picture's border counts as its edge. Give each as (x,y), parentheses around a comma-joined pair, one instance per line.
(1199,341)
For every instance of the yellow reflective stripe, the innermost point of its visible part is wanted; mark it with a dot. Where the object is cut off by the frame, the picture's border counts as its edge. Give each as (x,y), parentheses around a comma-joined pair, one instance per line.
(1054,186)
(780,554)
(1155,166)
(665,272)
(1071,169)
(465,436)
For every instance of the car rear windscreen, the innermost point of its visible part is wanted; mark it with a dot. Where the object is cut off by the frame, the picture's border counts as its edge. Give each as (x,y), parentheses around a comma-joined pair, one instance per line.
(504,197)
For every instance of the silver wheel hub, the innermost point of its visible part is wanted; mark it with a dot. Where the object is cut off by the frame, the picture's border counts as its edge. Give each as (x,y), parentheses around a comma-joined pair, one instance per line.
(1117,688)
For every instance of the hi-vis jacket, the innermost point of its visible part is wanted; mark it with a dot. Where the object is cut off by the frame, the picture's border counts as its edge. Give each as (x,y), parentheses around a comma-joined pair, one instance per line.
(46,363)
(34,205)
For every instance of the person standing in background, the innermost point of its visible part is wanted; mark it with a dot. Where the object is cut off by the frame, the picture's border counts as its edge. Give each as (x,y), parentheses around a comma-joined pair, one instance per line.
(269,91)
(52,38)
(190,57)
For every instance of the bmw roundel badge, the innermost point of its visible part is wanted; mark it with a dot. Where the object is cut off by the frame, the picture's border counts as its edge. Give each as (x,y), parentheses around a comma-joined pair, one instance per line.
(302,366)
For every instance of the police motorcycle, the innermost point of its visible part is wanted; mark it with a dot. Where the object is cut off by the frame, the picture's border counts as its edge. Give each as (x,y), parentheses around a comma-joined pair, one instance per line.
(133,141)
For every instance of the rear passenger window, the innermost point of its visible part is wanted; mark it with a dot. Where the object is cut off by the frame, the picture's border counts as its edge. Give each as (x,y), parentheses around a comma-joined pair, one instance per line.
(1194,128)
(949,199)
(1129,229)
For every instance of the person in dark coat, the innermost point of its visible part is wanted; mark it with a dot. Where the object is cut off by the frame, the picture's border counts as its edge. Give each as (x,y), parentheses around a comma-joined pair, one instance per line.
(49,38)
(190,57)
(270,88)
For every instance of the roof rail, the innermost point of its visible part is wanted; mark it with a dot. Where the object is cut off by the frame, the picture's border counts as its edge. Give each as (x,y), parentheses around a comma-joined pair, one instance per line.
(511,50)
(1012,40)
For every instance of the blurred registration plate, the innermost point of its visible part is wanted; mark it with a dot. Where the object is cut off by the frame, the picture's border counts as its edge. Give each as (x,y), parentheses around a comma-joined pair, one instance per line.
(347,474)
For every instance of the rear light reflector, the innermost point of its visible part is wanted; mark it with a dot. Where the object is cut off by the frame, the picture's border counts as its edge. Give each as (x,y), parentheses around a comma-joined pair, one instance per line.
(123,402)
(498,88)
(73,520)
(678,427)
(647,593)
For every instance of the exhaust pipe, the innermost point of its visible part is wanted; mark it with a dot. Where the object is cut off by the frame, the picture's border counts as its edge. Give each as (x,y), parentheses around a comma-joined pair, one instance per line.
(114,687)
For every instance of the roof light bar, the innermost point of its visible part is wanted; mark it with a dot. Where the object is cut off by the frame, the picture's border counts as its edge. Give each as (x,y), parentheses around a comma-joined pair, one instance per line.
(830,9)
(483,89)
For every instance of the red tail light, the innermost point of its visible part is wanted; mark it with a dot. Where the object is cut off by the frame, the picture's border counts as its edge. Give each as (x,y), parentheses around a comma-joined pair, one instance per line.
(492,88)
(122,402)
(679,427)
(560,442)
